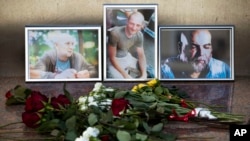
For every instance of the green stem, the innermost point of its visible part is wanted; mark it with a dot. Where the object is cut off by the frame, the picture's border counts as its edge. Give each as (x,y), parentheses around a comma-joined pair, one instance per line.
(210,107)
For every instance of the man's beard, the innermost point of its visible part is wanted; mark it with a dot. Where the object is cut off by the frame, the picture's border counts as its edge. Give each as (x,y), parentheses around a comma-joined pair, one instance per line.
(199,66)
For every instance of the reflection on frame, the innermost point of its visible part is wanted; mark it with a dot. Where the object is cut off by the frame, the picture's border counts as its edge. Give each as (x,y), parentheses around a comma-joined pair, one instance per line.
(63,53)
(130,48)
(196,53)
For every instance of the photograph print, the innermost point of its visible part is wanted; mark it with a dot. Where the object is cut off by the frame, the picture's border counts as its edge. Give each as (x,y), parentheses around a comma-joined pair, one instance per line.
(130,42)
(63,53)
(196,52)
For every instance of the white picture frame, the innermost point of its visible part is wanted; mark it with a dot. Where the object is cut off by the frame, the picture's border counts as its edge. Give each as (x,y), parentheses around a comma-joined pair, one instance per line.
(222,43)
(87,43)
(114,15)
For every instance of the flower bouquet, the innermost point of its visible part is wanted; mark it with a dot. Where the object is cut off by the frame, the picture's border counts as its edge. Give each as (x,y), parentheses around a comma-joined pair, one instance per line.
(111,114)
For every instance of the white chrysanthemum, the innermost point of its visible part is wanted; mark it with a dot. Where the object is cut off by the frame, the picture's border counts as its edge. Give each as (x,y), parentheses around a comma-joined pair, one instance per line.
(83,107)
(91,99)
(106,102)
(82,100)
(109,90)
(82,138)
(97,87)
(91,132)
(93,103)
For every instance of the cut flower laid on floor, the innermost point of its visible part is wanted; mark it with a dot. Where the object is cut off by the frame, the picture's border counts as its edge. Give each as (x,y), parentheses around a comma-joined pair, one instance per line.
(111,114)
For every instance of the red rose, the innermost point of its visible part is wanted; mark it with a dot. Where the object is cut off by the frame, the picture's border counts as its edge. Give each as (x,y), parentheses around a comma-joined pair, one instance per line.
(119,105)
(105,138)
(60,100)
(31,119)
(35,102)
(8,94)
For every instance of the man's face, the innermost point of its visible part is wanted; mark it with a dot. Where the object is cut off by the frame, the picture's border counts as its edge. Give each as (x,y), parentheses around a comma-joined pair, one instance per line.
(65,49)
(200,50)
(134,24)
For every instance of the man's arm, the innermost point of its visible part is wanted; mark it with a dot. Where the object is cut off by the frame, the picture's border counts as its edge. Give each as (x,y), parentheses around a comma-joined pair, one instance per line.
(142,62)
(44,64)
(45,67)
(112,57)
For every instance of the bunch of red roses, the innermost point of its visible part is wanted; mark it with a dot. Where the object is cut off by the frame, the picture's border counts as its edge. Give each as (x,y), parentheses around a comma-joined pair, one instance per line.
(43,113)
(108,114)
(38,105)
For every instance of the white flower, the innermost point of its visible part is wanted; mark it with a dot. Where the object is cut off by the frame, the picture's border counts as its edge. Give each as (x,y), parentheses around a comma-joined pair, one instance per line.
(204,113)
(97,87)
(85,101)
(93,103)
(83,107)
(106,102)
(82,100)
(82,138)
(89,132)
(109,90)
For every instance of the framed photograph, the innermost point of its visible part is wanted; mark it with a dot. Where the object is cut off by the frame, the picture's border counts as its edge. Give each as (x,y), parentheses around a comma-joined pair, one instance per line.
(63,53)
(130,42)
(196,53)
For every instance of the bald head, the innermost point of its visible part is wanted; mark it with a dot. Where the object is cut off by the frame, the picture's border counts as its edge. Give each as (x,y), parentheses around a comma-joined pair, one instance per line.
(201,37)
(136,16)
(135,24)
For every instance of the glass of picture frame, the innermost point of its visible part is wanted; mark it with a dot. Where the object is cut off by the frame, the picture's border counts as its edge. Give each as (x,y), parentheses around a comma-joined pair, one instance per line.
(130,33)
(59,53)
(194,53)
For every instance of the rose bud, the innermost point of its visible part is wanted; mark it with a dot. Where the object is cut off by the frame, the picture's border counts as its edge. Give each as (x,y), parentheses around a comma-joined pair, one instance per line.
(8,94)
(31,119)
(36,102)
(119,105)
(60,100)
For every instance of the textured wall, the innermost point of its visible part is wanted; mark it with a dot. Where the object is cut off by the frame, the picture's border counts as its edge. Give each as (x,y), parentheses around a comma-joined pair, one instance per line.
(15,14)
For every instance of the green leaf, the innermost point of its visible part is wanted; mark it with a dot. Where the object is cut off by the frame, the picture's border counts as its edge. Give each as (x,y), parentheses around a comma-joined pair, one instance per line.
(153,105)
(148,98)
(167,136)
(120,94)
(165,90)
(92,119)
(107,117)
(71,123)
(126,124)
(161,109)
(71,135)
(141,137)
(146,127)
(20,95)
(158,90)
(138,104)
(67,94)
(157,128)
(48,126)
(123,136)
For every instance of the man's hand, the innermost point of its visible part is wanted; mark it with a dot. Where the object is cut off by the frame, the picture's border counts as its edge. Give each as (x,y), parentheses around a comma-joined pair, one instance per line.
(83,74)
(69,73)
